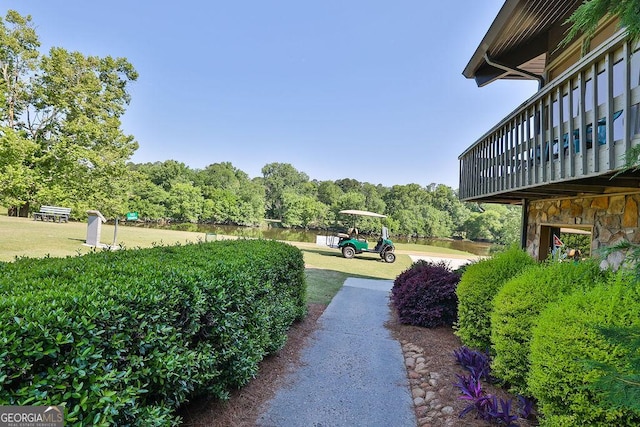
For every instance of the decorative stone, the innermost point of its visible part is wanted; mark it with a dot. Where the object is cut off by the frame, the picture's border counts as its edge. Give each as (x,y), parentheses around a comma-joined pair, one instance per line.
(418,401)
(417,392)
(615,259)
(410,362)
(430,395)
(448,410)
(422,411)
(434,375)
(433,382)
(604,235)
(630,217)
(610,221)
(575,210)
(619,237)
(414,375)
(600,203)
(616,205)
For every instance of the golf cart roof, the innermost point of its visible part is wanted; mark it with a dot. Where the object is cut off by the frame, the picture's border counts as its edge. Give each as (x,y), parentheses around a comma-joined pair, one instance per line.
(362,213)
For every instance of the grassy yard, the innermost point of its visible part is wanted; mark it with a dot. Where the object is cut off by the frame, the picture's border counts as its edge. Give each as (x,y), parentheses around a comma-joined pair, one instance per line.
(21,237)
(326,268)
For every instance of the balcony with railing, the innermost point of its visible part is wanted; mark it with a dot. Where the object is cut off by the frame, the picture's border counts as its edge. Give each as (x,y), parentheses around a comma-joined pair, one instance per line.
(568,139)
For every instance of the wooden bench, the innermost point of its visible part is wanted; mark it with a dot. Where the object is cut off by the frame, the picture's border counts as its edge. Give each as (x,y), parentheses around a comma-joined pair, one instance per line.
(52,213)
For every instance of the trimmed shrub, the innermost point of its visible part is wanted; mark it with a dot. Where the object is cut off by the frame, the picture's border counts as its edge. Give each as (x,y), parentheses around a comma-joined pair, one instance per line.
(124,338)
(478,286)
(518,305)
(425,294)
(568,339)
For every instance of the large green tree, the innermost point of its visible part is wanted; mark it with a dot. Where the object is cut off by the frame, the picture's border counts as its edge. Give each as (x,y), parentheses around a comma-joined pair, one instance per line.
(279,178)
(235,198)
(60,124)
(164,174)
(495,223)
(303,211)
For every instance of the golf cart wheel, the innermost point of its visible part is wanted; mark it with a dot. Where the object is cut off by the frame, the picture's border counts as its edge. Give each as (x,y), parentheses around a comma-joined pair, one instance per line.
(348,252)
(389,257)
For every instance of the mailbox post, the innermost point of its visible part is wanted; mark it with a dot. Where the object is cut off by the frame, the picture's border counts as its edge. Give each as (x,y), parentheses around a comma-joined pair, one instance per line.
(94,227)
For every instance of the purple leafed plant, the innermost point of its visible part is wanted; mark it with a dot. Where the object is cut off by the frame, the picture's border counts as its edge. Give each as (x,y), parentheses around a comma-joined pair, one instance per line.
(482,407)
(476,362)
(525,407)
(486,407)
(489,408)
(500,412)
(471,390)
(469,386)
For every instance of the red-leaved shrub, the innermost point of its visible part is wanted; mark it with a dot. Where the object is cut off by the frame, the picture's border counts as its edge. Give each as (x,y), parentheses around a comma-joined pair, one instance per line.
(425,294)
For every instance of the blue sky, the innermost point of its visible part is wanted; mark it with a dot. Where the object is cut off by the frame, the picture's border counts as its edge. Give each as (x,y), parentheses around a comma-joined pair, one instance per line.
(370,90)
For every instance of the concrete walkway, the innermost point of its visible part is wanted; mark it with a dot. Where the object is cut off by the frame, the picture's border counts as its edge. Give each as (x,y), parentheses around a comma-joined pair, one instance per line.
(352,371)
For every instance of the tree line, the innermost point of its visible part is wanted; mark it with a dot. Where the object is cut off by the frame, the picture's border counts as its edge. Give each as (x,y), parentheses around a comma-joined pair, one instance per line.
(223,194)
(61,143)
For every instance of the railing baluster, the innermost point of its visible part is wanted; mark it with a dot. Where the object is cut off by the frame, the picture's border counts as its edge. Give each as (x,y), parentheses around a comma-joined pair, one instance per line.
(521,160)
(561,158)
(595,149)
(626,137)
(609,142)
(528,147)
(570,134)
(582,121)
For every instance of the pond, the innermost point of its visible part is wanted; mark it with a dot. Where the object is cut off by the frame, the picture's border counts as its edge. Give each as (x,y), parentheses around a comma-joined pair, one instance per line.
(309,236)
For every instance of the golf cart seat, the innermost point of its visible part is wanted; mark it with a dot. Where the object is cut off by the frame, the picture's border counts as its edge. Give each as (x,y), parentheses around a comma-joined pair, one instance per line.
(383,236)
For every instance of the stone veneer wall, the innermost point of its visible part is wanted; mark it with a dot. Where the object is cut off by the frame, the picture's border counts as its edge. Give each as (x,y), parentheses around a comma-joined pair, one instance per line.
(613,219)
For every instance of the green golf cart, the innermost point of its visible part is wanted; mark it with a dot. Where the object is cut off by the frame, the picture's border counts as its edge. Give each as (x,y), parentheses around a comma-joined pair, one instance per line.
(351,243)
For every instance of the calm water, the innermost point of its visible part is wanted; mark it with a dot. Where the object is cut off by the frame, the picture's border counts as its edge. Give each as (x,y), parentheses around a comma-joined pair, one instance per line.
(309,236)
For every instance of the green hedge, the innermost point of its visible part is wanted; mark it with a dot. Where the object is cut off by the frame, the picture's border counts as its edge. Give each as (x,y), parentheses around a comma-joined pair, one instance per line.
(568,338)
(126,337)
(518,305)
(478,285)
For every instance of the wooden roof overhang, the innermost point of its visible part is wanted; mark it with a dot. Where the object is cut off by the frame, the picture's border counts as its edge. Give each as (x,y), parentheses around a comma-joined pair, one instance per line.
(519,39)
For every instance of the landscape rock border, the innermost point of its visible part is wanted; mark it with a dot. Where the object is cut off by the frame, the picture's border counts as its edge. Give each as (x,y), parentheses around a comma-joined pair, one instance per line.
(426,386)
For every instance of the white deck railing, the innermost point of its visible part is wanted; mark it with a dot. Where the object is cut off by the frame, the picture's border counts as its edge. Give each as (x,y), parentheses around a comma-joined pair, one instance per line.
(558,135)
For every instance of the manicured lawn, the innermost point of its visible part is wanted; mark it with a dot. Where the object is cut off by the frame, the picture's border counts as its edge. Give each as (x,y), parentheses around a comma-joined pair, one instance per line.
(363,265)
(322,285)
(20,237)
